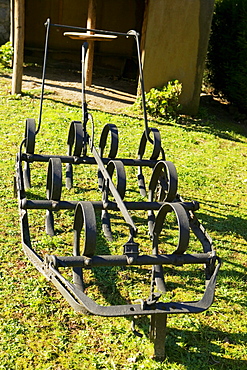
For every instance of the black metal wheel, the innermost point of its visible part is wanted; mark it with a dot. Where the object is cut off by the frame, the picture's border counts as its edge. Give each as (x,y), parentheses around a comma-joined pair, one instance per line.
(120,175)
(75,138)
(53,190)
(162,187)
(85,217)
(163,183)
(76,145)
(155,154)
(118,167)
(54,179)
(30,135)
(183,226)
(112,129)
(30,146)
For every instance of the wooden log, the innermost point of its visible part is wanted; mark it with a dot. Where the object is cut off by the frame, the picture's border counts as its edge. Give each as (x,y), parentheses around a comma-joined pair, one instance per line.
(18,46)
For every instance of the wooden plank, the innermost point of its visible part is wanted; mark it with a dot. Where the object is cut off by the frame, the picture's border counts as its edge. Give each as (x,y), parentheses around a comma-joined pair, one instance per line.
(18,46)
(91,24)
(144,28)
(89,37)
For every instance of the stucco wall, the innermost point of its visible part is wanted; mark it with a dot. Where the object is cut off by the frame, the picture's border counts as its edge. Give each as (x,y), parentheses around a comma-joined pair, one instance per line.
(4,21)
(176,44)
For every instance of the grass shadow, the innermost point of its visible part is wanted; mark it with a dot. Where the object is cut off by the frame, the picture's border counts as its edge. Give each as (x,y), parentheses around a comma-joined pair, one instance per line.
(200,348)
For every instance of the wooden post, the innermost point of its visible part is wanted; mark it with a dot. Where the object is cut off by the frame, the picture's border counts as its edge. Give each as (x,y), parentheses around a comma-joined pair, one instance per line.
(144,30)
(158,335)
(18,46)
(91,23)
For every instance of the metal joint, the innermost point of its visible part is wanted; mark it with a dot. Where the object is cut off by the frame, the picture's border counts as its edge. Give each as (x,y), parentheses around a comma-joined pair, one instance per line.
(131,250)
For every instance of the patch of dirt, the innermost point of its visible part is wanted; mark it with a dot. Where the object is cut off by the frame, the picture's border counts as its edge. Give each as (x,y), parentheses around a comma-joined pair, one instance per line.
(108,94)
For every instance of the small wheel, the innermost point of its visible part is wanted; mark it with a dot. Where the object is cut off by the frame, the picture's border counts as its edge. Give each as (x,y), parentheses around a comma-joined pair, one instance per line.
(114,140)
(183,226)
(164,182)
(53,190)
(155,154)
(113,147)
(75,138)
(30,135)
(85,216)
(156,144)
(54,179)
(120,174)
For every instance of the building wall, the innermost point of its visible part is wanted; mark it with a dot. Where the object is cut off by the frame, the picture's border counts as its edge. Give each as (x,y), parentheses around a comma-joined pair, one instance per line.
(120,15)
(5,21)
(177,34)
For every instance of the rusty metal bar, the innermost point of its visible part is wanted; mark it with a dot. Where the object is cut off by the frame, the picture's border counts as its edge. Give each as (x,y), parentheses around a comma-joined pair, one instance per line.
(86,160)
(99,206)
(124,260)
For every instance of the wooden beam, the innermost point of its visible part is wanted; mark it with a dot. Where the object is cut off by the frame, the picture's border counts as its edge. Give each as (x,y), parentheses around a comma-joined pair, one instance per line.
(91,23)
(144,29)
(19,11)
(89,37)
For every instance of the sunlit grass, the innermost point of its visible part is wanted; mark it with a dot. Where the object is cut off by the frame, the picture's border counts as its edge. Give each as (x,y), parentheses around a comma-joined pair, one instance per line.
(39,330)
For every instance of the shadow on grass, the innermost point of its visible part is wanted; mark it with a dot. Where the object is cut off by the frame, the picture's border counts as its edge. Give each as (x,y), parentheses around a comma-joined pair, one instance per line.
(204,348)
(212,118)
(224,128)
(221,221)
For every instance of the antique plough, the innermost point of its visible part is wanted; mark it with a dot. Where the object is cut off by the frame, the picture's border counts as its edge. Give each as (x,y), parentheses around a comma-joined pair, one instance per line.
(162,199)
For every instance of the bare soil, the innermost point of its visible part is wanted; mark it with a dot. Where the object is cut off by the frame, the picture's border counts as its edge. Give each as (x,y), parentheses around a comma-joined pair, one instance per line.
(108,94)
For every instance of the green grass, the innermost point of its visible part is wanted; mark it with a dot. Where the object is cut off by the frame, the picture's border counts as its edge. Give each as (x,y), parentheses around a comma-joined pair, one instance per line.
(38,328)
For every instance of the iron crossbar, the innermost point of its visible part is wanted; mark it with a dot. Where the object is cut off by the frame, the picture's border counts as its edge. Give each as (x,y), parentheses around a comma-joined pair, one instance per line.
(87,160)
(99,205)
(125,260)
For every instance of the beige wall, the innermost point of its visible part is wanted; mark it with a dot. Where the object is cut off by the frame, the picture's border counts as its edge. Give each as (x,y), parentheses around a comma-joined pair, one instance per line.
(176,42)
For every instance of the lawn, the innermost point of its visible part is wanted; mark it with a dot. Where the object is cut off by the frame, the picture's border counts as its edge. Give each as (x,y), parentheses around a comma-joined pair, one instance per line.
(38,328)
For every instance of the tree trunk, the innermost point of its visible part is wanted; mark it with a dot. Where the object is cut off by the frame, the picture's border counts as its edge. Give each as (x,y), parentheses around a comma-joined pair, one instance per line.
(18,46)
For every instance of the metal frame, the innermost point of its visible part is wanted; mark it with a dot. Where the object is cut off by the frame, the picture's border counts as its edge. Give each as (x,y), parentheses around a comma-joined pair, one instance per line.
(162,197)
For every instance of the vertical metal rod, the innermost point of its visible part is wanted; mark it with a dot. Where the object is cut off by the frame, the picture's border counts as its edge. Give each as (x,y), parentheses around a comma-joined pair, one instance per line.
(47,24)
(83,95)
(147,130)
